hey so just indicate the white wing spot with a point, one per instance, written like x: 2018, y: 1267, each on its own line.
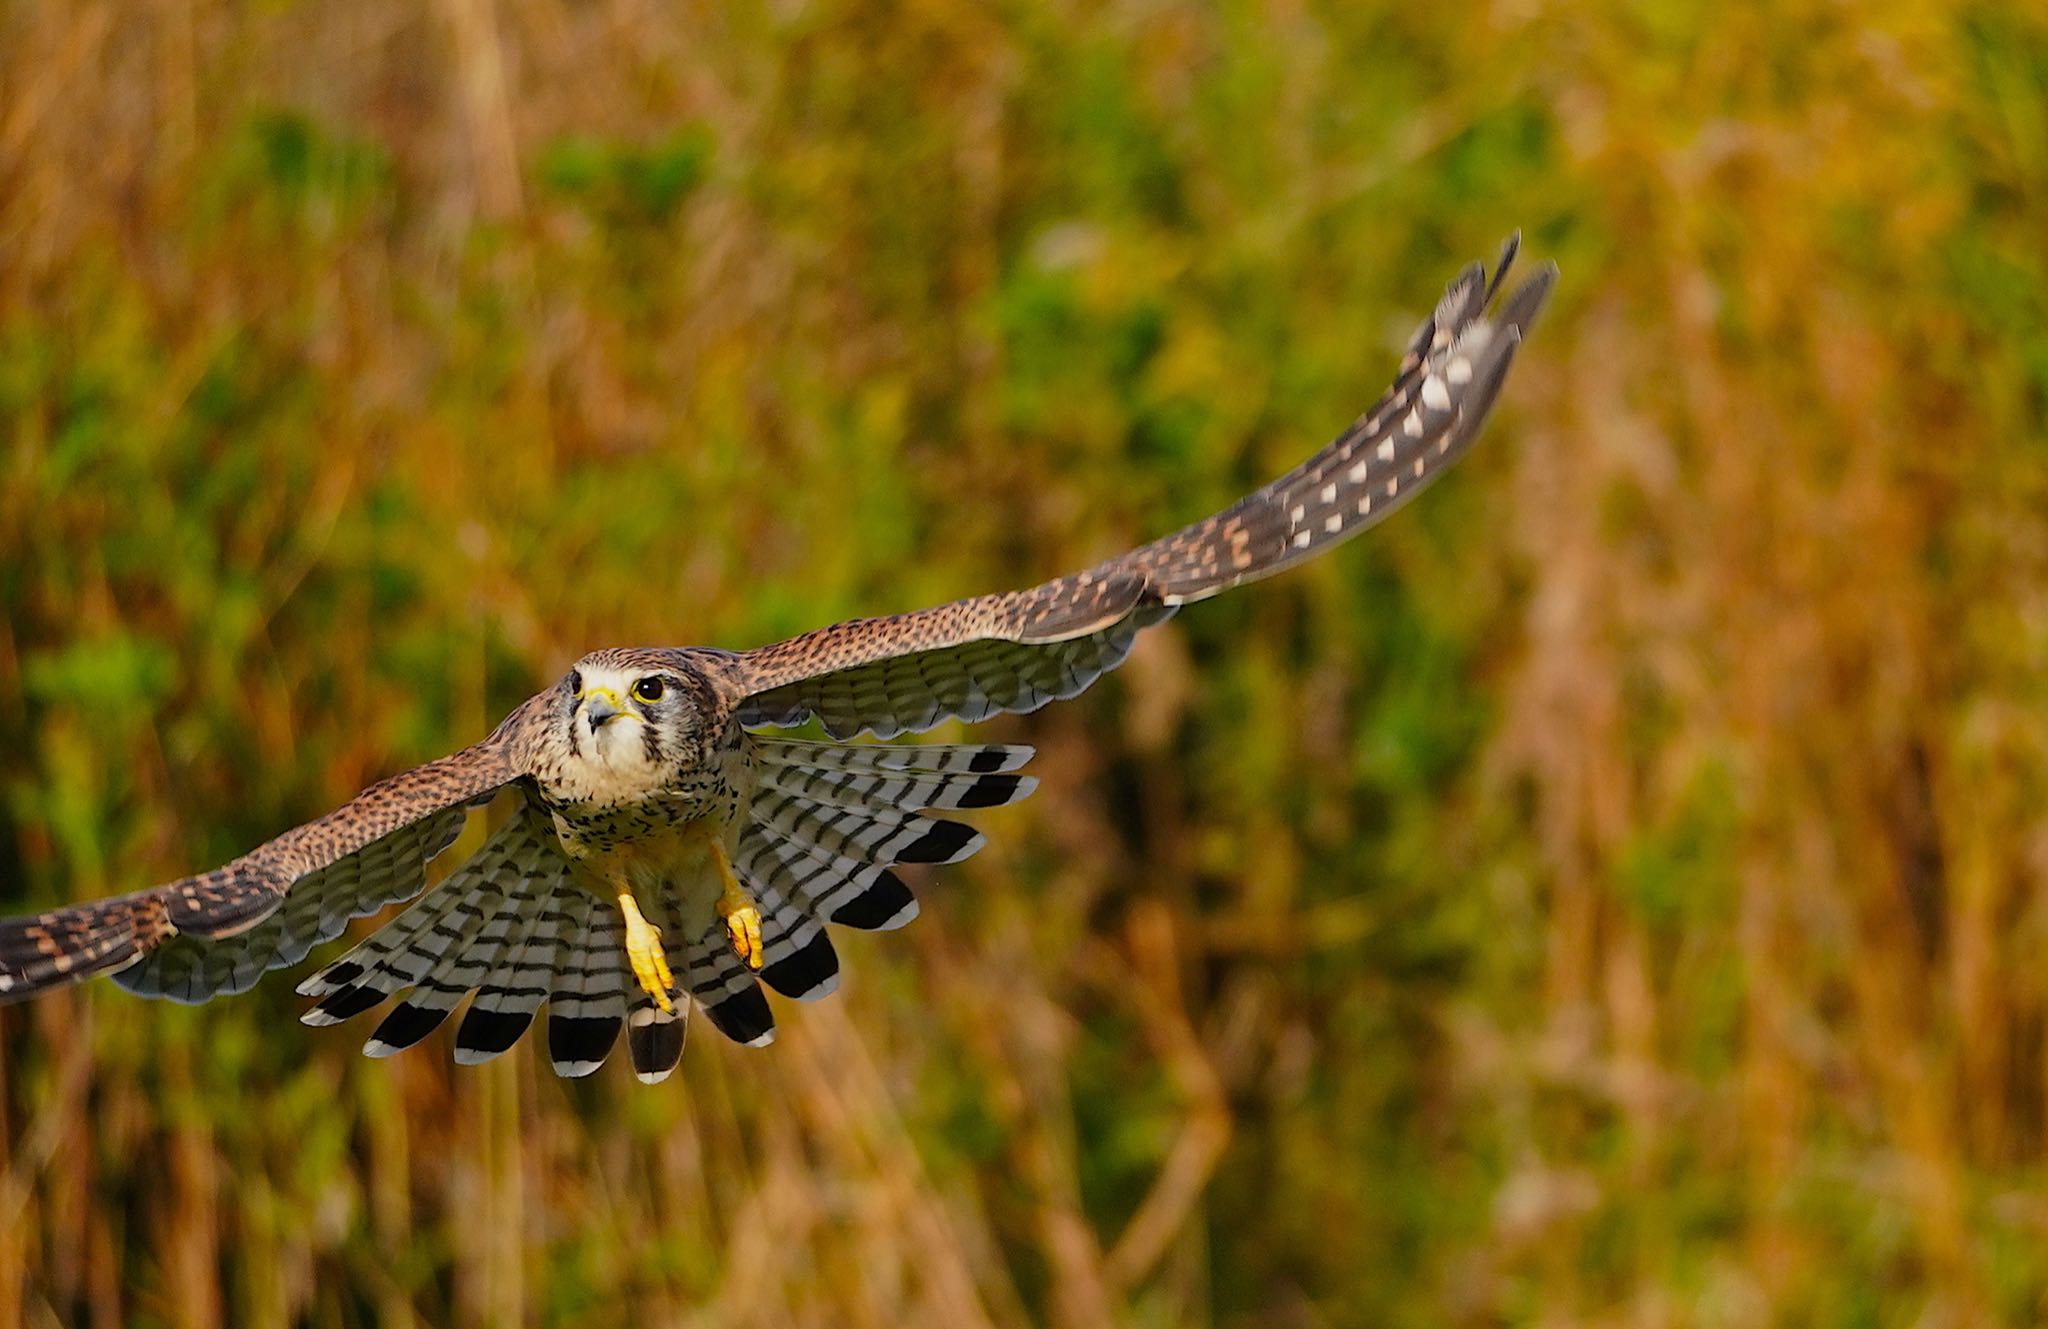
x: 1296, y: 515
x: 1329, y: 493
x: 1435, y: 395
x: 1365, y: 505
x: 1386, y: 450
x: 1393, y: 487
x: 1333, y: 523
x: 1412, y: 426
x: 1301, y: 539
x: 1357, y: 473
x: 1459, y: 371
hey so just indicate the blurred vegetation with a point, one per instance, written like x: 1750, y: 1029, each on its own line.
x: 1616, y: 892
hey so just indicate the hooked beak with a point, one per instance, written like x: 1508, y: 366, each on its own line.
x: 600, y: 706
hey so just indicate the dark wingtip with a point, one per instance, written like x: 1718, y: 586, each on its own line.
x: 1508, y: 249
x: 1522, y: 306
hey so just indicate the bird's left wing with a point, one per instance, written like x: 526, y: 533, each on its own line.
x: 1015, y: 652
x: 216, y: 933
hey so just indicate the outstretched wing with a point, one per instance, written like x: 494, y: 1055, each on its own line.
x: 1015, y: 652
x: 218, y: 932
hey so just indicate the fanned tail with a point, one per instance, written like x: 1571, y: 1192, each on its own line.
x: 512, y: 929
x: 828, y: 820
x: 825, y: 823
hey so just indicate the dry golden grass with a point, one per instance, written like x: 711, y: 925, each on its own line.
x: 1616, y: 893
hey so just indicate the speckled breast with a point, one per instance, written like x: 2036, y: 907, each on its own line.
x: 587, y: 828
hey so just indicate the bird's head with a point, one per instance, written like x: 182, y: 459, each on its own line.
x: 633, y: 714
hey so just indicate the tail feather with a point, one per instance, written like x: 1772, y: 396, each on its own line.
x: 928, y: 758
x: 447, y: 943
x: 726, y: 989
x: 892, y: 791
x: 485, y: 918
x: 515, y: 988
x: 588, y: 1001
x: 655, y: 1037
x: 394, y: 957
x: 798, y: 958
x: 865, y: 835
x: 841, y: 890
x: 801, y: 961
x: 825, y: 822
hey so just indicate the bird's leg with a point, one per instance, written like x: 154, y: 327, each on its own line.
x: 643, y: 951
x: 736, y: 907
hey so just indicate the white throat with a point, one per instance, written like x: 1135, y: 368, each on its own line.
x: 614, y: 757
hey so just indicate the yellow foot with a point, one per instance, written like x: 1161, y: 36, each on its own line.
x: 643, y: 950
x: 742, y: 919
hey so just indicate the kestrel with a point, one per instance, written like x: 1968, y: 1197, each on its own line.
x: 665, y: 851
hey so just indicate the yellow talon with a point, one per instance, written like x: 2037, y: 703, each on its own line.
x: 742, y: 919
x: 743, y: 925
x: 643, y: 950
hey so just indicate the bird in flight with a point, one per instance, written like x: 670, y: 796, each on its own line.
x: 664, y: 851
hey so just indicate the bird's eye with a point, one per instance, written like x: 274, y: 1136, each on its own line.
x: 649, y: 689
x: 576, y: 682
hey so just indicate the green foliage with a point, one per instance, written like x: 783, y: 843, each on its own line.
x: 1610, y: 893
x: 627, y: 186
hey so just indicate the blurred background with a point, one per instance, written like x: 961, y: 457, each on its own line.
x: 1615, y: 892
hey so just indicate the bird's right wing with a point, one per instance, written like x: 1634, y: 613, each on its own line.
x: 216, y: 933
x: 1015, y: 652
